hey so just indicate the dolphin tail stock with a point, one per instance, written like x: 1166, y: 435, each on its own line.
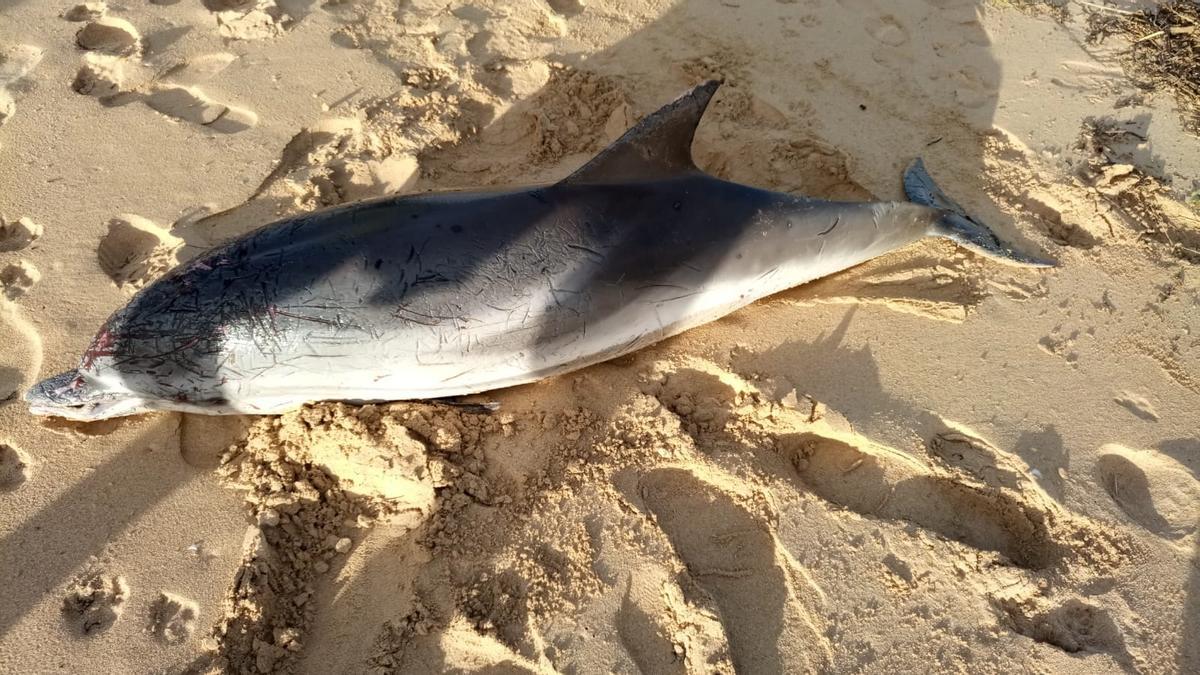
x: 956, y: 225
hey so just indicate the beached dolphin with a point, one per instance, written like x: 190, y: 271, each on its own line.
x: 443, y: 294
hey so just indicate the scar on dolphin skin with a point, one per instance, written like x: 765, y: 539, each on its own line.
x: 664, y: 247
x: 836, y: 221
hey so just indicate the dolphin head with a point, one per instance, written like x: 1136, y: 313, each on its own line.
x: 76, y: 396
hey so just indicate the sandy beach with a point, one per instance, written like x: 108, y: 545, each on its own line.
x: 926, y: 463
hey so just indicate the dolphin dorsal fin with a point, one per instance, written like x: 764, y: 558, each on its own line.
x: 659, y: 146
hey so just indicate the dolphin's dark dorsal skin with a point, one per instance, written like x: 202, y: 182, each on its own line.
x: 657, y: 148
x: 444, y: 294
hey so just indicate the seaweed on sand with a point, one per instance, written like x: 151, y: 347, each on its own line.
x: 1164, y: 49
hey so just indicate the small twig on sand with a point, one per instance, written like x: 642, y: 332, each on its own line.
x: 1106, y: 8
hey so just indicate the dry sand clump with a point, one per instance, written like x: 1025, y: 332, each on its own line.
x: 100, y: 75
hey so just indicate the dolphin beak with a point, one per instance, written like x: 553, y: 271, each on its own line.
x: 73, y: 396
x: 64, y: 389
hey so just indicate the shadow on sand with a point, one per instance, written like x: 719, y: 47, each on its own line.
x: 80, y: 522
x: 843, y: 65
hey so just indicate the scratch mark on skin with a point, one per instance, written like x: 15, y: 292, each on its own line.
x: 598, y: 256
x: 509, y: 310
x: 275, y: 311
x: 161, y: 355
x: 333, y: 308
x: 679, y: 297
x: 837, y: 220
x: 646, y: 287
x: 430, y: 319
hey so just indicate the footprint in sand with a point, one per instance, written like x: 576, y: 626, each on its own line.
x: 204, y: 438
x: 981, y: 498
x: 110, y: 35
x: 136, y: 251
x: 16, y: 63
x: 1138, y: 405
x: 17, y: 279
x: 190, y: 104
x: 248, y: 19
x: 18, y: 234
x: 973, y: 88
x: 172, y: 617
x: 20, y: 352
x: 734, y: 556
x: 1152, y: 489
x: 109, y: 43
x: 112, y: 44
x: 887, y: 30
x: 1073, y: 626
x: 14, y: 467
x: 95, y: 602
x: 882, y: 482
x: 178, y: 95
x: 200, y: 68
x: 1076, y: 626
x: 644, y: 631
x: 1061, y: 343
x: 567, y: 8
x: 10, y: 384
x: 961, y: 449
x: 663, y: 633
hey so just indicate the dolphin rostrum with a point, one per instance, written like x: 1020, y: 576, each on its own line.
x: 444, y: 294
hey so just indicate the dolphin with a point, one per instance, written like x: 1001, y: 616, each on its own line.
x: 437, y: 295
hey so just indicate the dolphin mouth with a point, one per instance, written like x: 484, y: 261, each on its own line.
x: 73, y: 396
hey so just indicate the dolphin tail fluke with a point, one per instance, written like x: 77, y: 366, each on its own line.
x: 956, y: 225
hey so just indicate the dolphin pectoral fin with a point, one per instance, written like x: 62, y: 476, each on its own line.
x: 955, y: 224
x: 659, y: 146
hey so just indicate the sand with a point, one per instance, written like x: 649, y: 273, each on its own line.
x: 928, y: 462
